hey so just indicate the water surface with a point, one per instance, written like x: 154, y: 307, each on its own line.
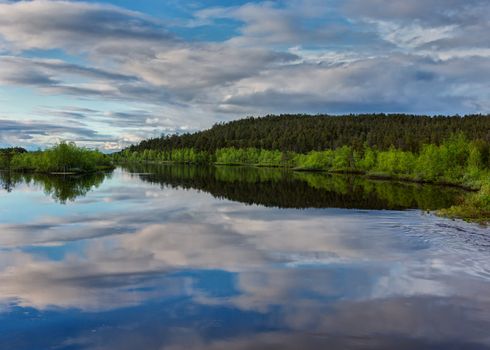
x: 176, y: 257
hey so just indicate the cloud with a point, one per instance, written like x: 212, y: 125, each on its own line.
x: 370, y: 85
x: 288, y: 56
x: 77, y: 26
x: 32, y: 129
x: 54, y: 76
x: 291, y: 23
x: 429, y: 11
x: 435, y: 24
x: 200, y: 61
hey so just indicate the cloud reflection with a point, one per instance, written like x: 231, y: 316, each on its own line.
x: 323, y: 276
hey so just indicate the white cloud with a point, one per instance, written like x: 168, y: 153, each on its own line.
x: 288, y: 56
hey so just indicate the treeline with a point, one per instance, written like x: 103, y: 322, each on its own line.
x: 455, y: 161
x: 64, y: 157
x: 305, y: 133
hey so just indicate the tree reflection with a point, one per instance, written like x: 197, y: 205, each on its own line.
x: 262, y: 186
x: 62, y: 188
x: 287, y: 189
x: 9, y: 180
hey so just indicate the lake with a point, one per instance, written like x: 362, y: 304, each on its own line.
x: 181, y: 257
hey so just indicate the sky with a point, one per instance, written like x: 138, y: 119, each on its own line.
x: 108, y: 74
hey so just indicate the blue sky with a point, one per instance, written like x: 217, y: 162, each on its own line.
x: 107, y: 74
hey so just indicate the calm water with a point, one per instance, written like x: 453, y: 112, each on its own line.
x: 237, y: 258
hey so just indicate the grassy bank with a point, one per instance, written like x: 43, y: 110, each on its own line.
x: 64, y: 158
x: 455, y: 162
x: 475, y: 207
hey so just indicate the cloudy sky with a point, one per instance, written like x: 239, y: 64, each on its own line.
x: 107, y: 74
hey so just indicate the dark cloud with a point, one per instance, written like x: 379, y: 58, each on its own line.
x: 76, y: 26
x: 73, y: 69
x: 40, y: 128
x: 14, y: 131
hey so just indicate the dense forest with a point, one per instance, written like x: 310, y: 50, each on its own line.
x: 455, y: 161
x: 304, y: 133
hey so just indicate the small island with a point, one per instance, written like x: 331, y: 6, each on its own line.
x: 63, y: 158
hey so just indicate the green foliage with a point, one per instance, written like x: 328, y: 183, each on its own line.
x: 183, y: 155
x: 454, y: 161
x: 473, y: 207
x: 316, y: 160
x: 252, y: 156
x: 369, y: 159
x: 64, y: 157
x: 6, y: 155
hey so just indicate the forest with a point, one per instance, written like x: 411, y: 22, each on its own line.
x: 62, y: 158
x: 456, y: 160
x: 442, y: 150
x: 305, y: 133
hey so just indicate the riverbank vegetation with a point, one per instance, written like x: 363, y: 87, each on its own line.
x: 6, y: 155
x: 474, y: 207
x: 456, y: 161
x: 450, y: 150
x: 62, y: 158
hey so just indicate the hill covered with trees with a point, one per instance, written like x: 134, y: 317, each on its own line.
x: 304, y: 133
x: 442, y: 149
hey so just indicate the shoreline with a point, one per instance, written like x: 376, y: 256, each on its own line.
x: 361, y: 173
x: 468, y: 209
x: 473, y: 206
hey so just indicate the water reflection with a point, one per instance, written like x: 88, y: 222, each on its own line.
x: 62, y: 188
x: 262, y: 186
x: 287, y: 189
x: 134, y: 265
